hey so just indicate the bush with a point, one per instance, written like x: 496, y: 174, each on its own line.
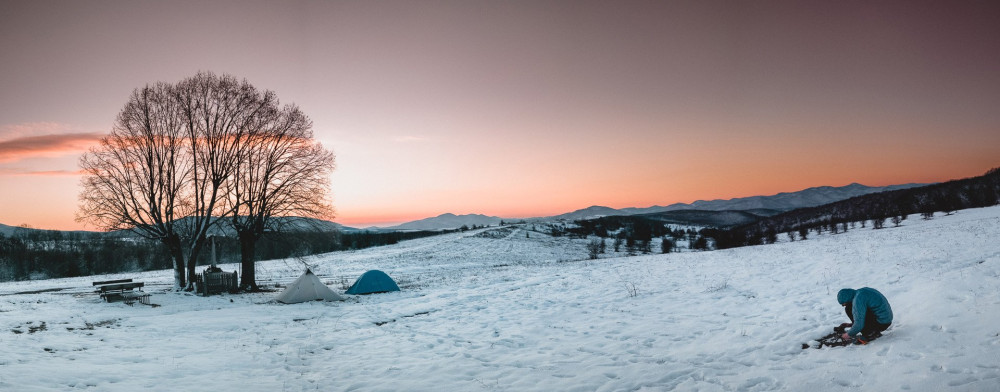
x: 594, y: 248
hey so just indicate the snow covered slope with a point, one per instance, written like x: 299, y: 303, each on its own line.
x: 448, y: 221
x: 506, y: 309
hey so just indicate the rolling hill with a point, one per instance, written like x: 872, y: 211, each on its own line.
x: 448, y: 221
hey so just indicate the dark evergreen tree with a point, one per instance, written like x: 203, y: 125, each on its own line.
x: 878, y: 223
x: 667, y: 245
x: 701, y: 243
x: 770, y: 236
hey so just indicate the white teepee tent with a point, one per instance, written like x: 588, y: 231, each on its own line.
x: 307, y: 288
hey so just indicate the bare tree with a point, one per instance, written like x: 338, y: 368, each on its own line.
x: 219, y: 114
x: 594, y: 248
x: 134, y: 178
x: 164, y: 169
x: 283, y: 173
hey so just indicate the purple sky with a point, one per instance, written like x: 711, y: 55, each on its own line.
x: 527, y: 108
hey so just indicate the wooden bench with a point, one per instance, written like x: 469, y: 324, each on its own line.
x: 101, y: 283
x: 122, y: 289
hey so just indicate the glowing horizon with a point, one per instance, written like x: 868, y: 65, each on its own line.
x: 523, y: 109
x: 368, y: 218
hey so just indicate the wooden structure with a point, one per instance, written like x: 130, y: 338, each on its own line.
x: 122, y: 289
x: 216, y: 282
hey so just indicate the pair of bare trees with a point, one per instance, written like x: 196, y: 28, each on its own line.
x: 209, y: 150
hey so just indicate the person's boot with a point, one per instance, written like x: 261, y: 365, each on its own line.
x: 864, y: 338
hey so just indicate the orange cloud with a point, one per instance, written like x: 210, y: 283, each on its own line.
x: 46, y: 145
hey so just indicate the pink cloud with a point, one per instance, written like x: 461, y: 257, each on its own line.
x: 40, y: 173
x: 35, y: 128
x: 47, y: 145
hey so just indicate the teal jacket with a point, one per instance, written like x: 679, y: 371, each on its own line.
x: 863, y: 300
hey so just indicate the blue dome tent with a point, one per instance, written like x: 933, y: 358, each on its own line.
x: 372, y: 282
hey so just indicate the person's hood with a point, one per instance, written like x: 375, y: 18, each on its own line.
x: 845, y: 296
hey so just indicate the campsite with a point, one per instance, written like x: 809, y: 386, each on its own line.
x: 503, y: 196
x: 523, y: 313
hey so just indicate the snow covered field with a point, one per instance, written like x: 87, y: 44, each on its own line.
x: 502, y: 311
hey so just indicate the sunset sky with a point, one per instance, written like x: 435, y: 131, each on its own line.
x: 526, y: 108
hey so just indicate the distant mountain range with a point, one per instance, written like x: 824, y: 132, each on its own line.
x: 280, y: 223
x: 8, y: 230
x: 755, y: 205
x: 448, y: 221
x: 742, y: 209
x: 758, y: 205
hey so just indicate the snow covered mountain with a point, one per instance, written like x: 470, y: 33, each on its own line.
x: 308, y: 224
x: 589, y: 213
x: 785, y: 201
x: 448, y: 221
x: 7, y: 230
x: 11, y: 230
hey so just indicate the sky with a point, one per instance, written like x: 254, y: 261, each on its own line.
x: 526, y: 108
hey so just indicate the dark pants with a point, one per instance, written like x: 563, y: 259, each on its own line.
x: 872, y: 327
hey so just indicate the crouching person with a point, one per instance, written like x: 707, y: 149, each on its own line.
x: 869, y: 312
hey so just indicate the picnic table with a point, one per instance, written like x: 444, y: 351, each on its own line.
x: 122, y: 289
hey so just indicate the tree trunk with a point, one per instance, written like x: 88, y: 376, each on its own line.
x: 248, y: 246
x: 192, y: 263
x: 173, y: 243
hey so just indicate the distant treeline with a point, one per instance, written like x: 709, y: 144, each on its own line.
x: 624, y: 226
x: 40, y: 254
x: 634, y: 232
x: 874, y: 209
x: 43, y: 254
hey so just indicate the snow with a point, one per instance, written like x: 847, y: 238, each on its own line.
x: 510, y: 310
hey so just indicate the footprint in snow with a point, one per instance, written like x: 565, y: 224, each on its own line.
x: 964, y: 381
